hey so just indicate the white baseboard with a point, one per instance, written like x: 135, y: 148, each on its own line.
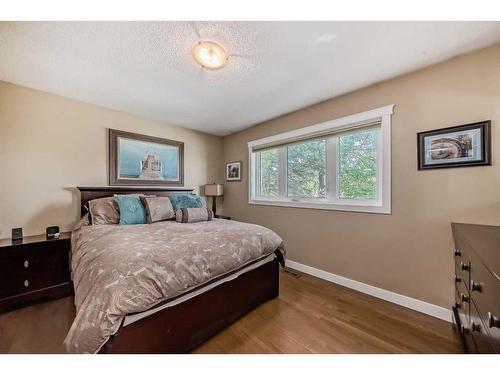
x: 399, y: 299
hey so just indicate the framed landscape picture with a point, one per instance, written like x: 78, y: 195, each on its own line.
x: 457, y: 146
x: 233, y: 171
x: 136, y: 159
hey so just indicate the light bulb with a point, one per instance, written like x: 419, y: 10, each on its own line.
x: 209, y: 55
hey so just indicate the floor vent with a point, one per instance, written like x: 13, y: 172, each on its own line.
x: 292, y: 272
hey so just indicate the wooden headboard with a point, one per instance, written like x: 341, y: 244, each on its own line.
x: 89, y: 193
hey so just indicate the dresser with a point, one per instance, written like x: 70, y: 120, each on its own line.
x: 476, y: 312
x: 33, y: 270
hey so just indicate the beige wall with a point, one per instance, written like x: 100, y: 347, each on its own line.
x: 408, y: 252
x: 50, y: 144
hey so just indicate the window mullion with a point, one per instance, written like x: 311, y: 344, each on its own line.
x: 331, y: 168
x: 282, y: 172
x: 380, y: 166
x: 257, y: 167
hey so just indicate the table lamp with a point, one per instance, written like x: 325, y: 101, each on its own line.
x: 214, y: 190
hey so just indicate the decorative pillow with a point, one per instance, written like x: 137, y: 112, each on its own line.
x: 193, y: 215
x: 157, y: 209
x: 104, y: 211
x: 83, y: 222
x: 185, y: 201
x: 131, y: 209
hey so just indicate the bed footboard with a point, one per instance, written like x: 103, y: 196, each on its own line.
x: 181, y: 328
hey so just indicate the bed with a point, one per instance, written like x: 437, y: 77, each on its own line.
x: 182, y: 284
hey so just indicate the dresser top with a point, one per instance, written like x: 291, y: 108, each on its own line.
x: 7, y: 242
x: 485, y: 241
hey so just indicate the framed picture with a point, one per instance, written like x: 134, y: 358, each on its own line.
x: 233, y: 171
x: 458, y: 146
x: 136, y: 159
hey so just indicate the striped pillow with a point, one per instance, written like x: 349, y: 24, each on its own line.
x: 193, y: 215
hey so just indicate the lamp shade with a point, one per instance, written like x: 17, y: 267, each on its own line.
x: 213, y: 190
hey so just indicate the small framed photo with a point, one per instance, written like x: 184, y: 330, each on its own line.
x: 233, y: 171
x: 457, y: 146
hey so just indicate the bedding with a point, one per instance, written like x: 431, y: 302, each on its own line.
x: 186, y: 201
x: 193, y: 215
x: 157, y: 209
x: 131, y: 209
x: 104, y: 211
x: 126, y: 269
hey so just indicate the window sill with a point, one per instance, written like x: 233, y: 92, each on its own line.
x: 373, y: 209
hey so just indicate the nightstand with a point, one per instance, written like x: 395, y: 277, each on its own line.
x: 222, y: 217
x: 34, y: 269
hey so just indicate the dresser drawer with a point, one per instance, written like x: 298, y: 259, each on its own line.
x: 463, y: 315
x: 31, y: 271
x: 492, y: 324
x: 462, y: 310
x: 477, y: 265
x: 486, y: 297
x: 484, y: 288
x: 479, y: 332
x: 462, y: 296
x: 462, y: 259
x: 460, y: 278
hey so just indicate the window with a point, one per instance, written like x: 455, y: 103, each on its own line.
x: 342, y: 164
x: 269, y: 173
x: 357, y: 165
x: 306, y: 169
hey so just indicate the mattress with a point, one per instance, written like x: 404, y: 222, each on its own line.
x: 132, y: 318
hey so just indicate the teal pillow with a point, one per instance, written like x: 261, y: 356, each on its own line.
x: 185, y: 201
x: 131, y: 209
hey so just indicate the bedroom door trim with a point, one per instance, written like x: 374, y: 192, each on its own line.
x: 399, y: 299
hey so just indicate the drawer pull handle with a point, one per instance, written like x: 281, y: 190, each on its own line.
x: 26, y: 264
x: 464, y: 297
x: 457, y: 279
x: 475, y: 286
x: 493, y: 321
x: 458, y: 253
x: 26, y: 283
x: 475, y: 327
x: 464, y: 266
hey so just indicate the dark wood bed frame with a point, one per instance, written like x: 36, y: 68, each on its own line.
x: 181, y: 328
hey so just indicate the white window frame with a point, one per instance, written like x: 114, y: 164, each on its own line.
x: 381, y: 205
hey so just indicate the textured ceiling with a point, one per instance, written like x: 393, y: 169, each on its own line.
x: 146, y: 68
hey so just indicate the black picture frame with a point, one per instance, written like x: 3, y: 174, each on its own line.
x: 238, y: 164
x: 485, y: 139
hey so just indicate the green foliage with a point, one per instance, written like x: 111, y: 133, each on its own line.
x: 358, y: 165
x: 307, y: 169
x: 269, y: 173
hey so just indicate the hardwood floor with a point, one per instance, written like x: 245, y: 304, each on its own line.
x: 310, y: 316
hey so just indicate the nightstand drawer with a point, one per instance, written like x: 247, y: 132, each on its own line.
x: 33, y: 270
x: 23, y: 274
x: 27, y: 264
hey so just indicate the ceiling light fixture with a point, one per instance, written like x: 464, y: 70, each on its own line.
x: 210, y: 55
